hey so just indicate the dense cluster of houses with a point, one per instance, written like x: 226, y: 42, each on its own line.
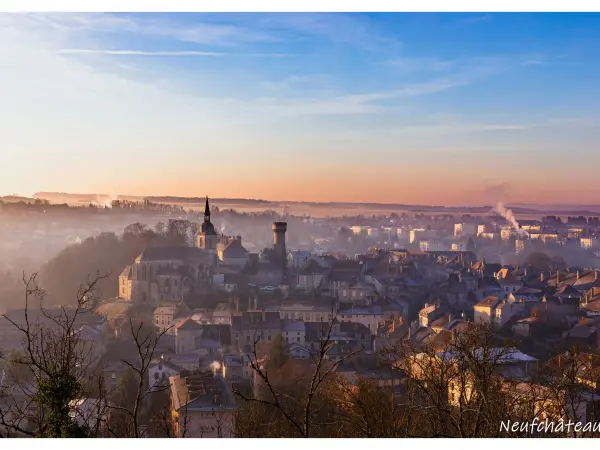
x: 214, y: 303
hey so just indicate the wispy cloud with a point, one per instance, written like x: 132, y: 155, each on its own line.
x: 422, y: 64
x: 354, y: 29
x: 199, y: 33
x: 80, y: 51
x: 353, y: 104
x: 458, y: 125
x: 535, y: 62
x: 295, y: 83
x: 374, y: 102
x: 222, y: 29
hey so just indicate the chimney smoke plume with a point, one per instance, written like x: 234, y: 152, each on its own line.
x: 508, y: 215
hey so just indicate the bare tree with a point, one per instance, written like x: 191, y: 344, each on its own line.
x: 58, y: 360
x: 300, y: 421
x: 145, y: 342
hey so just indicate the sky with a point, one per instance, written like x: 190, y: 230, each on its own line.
x: 451, y: 109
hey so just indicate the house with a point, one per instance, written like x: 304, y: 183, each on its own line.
x: 340, y: 280
x: 310, y: 276
x: 163, y: 318
x: 112, y: 373
x: 370, y: 316
x: 525, y: 327
x: 160, y: 370
x: 440, y: 324
x: 342, y: 349
x: 202, y: 406
x: 342, y: 275
x: 188, y: 361
x: 297, y: 259
x: 235, y: 368
x: 488, y: 286
x: 298, y: 351
x: 304, y: 311
x: 357, y: 333
x: 590, y: 302
x: 92, y: 345
x: 222, y: 314
x: 254, y: 326
x: 233, y: 282
x: 585, y: 333
x: 510, y: 284
x: 293, y: 332
x: 186, y: 332
x: 387, y: 287
x: 233, y: 252
x: 360, y: 293
x: 458, y: 293
x: 428, y: 314
x: 496, y: 310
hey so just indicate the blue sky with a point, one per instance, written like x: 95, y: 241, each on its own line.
x: 414, y: 108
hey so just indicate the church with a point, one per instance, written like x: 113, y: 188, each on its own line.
x: 166, y: 274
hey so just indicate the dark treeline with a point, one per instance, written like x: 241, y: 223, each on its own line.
x: 107, y: 253
x: 247, y: 201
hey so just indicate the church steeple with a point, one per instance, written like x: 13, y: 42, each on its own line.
x: 207, y: 211
x: 207, y: 227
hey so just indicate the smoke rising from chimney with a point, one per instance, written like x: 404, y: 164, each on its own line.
x: 508, y: 215
x: 105, y: 201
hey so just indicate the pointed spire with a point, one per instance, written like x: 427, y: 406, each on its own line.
x: 207, y: 210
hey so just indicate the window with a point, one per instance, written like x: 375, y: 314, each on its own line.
x: 247, y: 338
x: 298, y: 339
x: 269, y: 338
x: 156, y: 375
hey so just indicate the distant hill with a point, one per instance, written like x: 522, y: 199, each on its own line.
x: 16, y: 199
x: 79, y: 199
x: 521, y: 209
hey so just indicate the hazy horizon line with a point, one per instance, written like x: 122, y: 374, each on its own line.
x: 329, y: 202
